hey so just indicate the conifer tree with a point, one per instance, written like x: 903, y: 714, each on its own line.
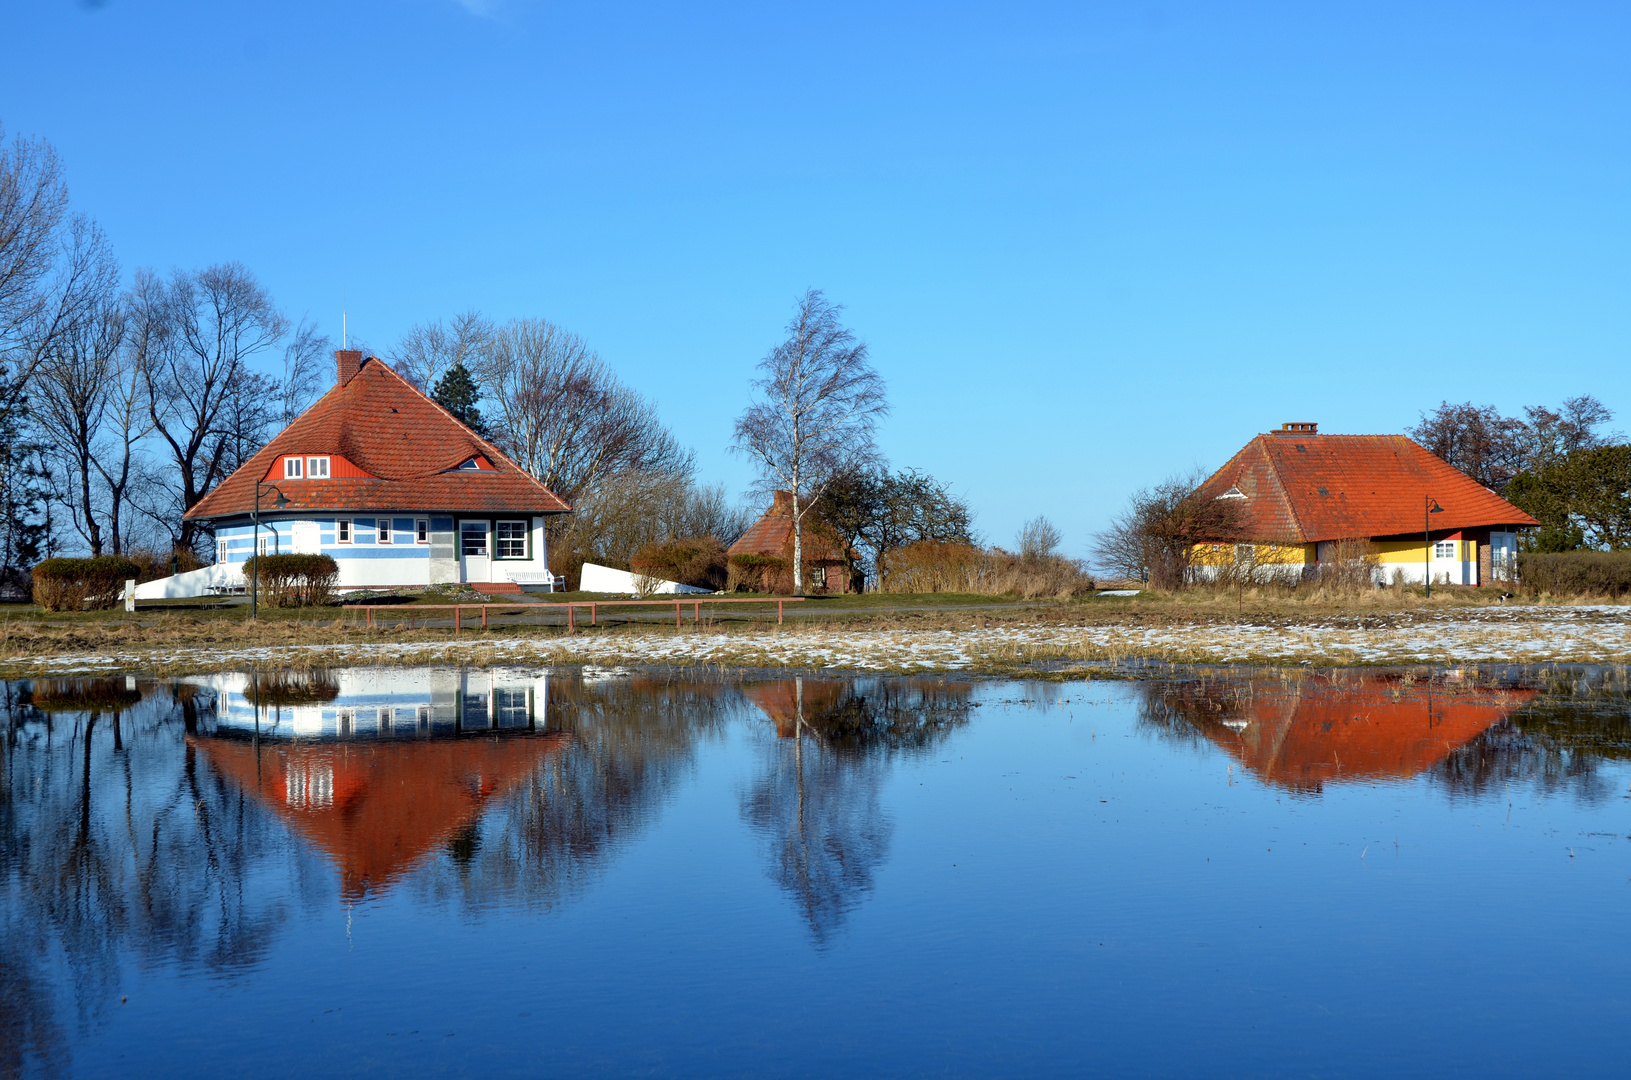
x: 458, y: 393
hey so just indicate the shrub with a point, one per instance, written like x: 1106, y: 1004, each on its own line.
x: 1576, y: 573
x: 758, y: 573
x: 935, y: 566
x: 75, y: 584
x: 699, y: 562
x: 294, y: 580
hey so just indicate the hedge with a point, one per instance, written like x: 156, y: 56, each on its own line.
x: 293, y: 580
x: 1576, y: 573
x: 76, y: 584
x: 699, y: 562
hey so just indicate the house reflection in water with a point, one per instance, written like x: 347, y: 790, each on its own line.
x: 1309, y: 731
x: 377, y: 768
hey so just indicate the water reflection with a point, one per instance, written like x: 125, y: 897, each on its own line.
x: 816, y: 807
x: 1465, y: 730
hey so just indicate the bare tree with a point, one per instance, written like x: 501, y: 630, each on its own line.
x: 1038, y: 539
x: 33, y: 203
x: 210, y: 324
x: 1478, y: 440
x: 1155, y: 538
x: 821, y: 403
x: 305, y: 370
x: 79, y: 374
x: 428, y: 350
x: 564, y: 417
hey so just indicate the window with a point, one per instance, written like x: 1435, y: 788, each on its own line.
x: 1445, y: 550
x: 317, y: 468
x: 263, y: 545
x: 421, y: 531
x: 292, y: 468
x: 220, y: 551
x: 383, y: 530
x: 512, y: 539
x: 472, y: 465
x: 342, y: 530
x: 473, y: 537
x: 1245, y: 553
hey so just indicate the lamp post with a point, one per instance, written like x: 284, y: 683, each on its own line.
x: 255, y: 579
x: 1430, y: 507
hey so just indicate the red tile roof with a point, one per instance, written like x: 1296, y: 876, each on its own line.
x: 1302, y: 487
x: 772, y: 535
x: 408, y: 447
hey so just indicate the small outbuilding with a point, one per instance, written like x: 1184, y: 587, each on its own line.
x: 1303, y: 499
x: 763, y: 557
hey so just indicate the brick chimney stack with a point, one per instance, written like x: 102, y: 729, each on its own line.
x: 349, y: 361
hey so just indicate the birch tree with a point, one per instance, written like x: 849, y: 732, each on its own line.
x: 819, y: 404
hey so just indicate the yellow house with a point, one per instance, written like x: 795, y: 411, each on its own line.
x: 1305, y: 499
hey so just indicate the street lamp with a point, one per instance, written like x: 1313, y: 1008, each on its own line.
x: 1431, y: 507
x: 255, y: 579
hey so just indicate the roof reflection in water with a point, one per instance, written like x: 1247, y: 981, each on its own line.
x: 379, y: 769
x: 1312, y: 730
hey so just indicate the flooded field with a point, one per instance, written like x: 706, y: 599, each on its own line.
x: 521, y: 872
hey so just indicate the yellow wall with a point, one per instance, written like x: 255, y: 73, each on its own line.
x: 1263, y: 554
x: 1404, y: 551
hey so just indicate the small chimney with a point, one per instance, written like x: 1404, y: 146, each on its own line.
x: 783, y: 503
x: 349, y: 361
x: 1299, y: 428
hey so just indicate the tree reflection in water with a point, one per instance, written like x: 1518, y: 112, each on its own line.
x: 632, y: 740
x: 816, y: 808
x: 116, y: 846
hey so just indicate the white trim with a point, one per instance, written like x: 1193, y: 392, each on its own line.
x: 421, y: 530
x: 382, y: 530
x: 317, y: 468
x: 294, y: 468
x: 344, y: 530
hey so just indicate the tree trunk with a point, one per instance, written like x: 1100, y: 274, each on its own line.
x: 798, y: 547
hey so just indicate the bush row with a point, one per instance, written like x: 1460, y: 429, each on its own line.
x: 935, y: 566
x: 293, y: 580
x: 1575, y: 573
x: 76, y: 584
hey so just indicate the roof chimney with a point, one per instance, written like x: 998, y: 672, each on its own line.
x: 1298, y: 428
x: 349, y: 360
x: 782, y: 503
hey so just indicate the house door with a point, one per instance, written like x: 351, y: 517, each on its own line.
x: 475, y: 552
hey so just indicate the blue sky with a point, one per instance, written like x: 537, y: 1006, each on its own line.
x: 1089, y: 244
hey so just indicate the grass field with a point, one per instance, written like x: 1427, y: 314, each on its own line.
x: 876, y: 632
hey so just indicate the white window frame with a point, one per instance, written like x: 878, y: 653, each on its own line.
x: 294, y: 468
x: 343, y: 530
x: 317, y: 468
x: 221, y: 551
x: 421, y: 530
x: 499, y: 542
x: 265, y: 544
x: 1441, y: 546
x: 382, y: 530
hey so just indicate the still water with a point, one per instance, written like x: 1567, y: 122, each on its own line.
x: 494, y: 873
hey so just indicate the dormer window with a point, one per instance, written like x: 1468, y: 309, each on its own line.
x: 294, y: 468
x: 317, y: 468
x: 472, y: 465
